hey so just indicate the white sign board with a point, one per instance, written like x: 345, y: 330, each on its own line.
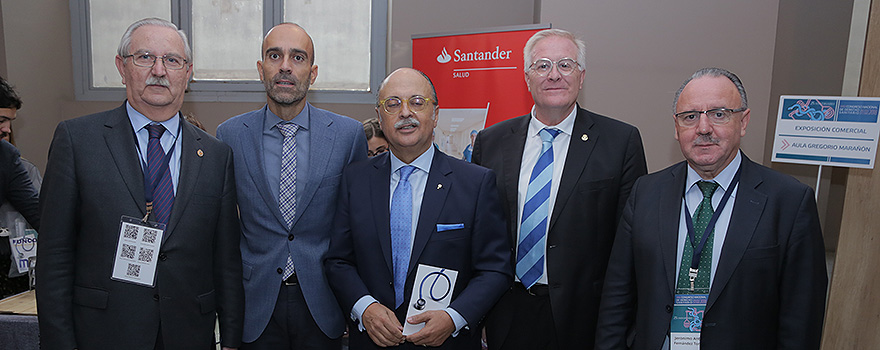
x: 826, y: 130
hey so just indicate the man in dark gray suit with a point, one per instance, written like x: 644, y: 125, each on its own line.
x: 289, y: 157
x: 116, y: 182
x: 717, y: 252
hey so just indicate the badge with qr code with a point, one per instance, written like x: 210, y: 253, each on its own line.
x: 137, y: 251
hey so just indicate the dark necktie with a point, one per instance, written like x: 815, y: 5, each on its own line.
x: 287, y: 188
x: 701, y: 219
x: 159, y: 175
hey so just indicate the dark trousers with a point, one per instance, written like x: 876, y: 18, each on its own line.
x: 531, y: 324
x: 292, y: 326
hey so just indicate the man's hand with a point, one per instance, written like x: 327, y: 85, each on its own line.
x: 382, y: 325
x: 438, y: 327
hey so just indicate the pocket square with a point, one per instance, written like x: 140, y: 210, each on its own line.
x: 447, y: 227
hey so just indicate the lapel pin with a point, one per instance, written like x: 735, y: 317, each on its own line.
x: 439, y: 186
x: 200, y: 153
x: 584, y: 137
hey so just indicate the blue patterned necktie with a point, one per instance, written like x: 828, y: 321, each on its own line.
x: 401, y: 231
x: 701, y: 219
x: 159, y: 175
x: 535, y: 214
x: 287, y: 189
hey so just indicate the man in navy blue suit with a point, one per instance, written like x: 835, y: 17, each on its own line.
x: 453, y: 221
x: 289, y: 157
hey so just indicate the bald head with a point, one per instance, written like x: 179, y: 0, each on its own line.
x: 289, y: 31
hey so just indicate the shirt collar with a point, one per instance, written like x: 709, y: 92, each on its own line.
x: 566, y: 126
x: 423, y: 162
x: 139, y: 121
x: 723, y: 179
x: 301, y: 120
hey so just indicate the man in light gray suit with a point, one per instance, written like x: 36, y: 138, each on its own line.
x: 289, y: 157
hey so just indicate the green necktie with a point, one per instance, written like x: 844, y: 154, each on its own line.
x: 701, y: 220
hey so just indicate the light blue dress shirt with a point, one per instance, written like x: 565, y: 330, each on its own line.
x: 170, y: 137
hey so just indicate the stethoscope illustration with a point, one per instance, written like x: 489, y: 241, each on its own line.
x: 420, y: 304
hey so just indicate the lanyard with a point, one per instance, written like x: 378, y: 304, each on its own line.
x: 698, y: 248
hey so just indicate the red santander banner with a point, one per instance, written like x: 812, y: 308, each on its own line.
x: 479, y: 77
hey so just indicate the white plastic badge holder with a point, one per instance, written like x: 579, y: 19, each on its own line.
x: 432, y: 290
x: 23, y: 248
x: 137, y: 251
x: 687, y: 321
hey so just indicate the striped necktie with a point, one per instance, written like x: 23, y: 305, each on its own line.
x: 535, y: 214
x: 159, y: 175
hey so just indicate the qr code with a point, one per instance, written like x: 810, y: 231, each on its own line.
x: 134, y: 270
x: 145, y: 255
x: 127, y: 251
x: 150, y: 236
x: 130, y: 232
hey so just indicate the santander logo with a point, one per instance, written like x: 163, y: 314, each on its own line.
x: 461, y: 56
x: 444, y: 56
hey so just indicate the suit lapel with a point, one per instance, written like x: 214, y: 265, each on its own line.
x: 381, y: 203
x: 436, y: 189
x: 747, y: 209
x: 253, y: 157
x: 320, y: 148
x: 190, y: 166
x: 512, y: 160
x: 579, y: 151
x: 120, y: 140
x: 671, y: 194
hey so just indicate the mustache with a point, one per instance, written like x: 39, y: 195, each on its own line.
x: 706, y: 139
x: 410, y: 121
x: 161, y: 81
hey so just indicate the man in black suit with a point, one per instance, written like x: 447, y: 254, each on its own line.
x: 100, y: 208
x: 410, y: 207
x: 715, y: 252
x: 564, y: 174
x: 16, y: 188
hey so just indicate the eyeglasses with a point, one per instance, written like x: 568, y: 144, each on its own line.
x: 147, y: 60
x: 417, y: 103
x: 379, y: 150
x: 717, y: 116
x: 565, y: 66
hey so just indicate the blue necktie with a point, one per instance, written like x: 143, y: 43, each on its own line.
x: 159, y: 175
x: 533, y: 228
x: 401, y: 231
x: 287, y: 189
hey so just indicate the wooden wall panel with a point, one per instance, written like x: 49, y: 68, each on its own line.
x: 852, y: 319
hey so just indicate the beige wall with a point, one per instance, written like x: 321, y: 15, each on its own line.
x: 639, y: 52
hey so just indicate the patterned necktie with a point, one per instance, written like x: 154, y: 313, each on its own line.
x: 401, y: 231
x: 159, y: 175
x: 287, y: 189
x: 701, y: 219
x: 536, y: 211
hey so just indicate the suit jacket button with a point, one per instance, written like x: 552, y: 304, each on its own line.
x: 280, y: 270
x: 162, y: 256
x: 668, y: 308
x: 290, y: 237
x: 156, y: 297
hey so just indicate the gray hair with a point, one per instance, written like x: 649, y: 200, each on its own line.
x: 714, y: 72
x: 530, y: 46
x: 125, y: 43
